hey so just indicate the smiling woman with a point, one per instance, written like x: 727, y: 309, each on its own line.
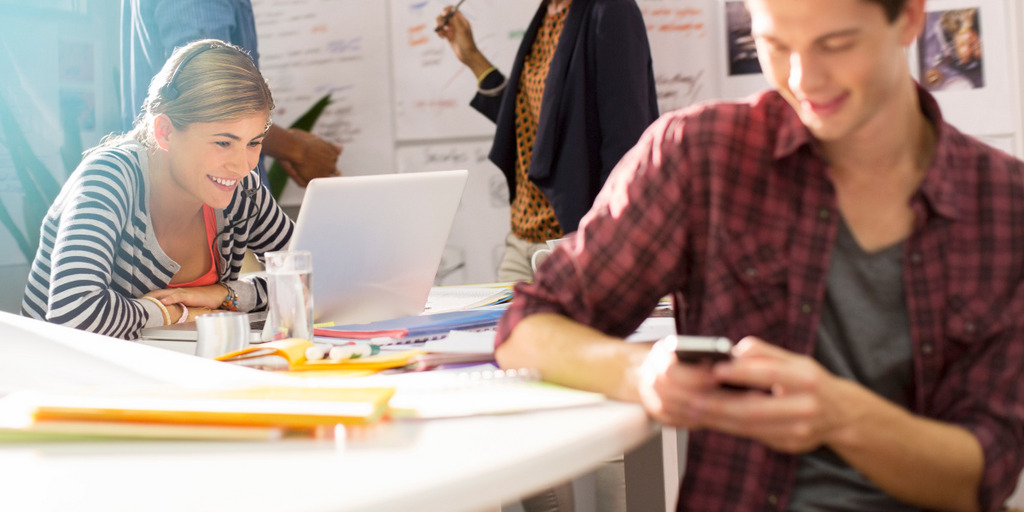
x: 152, y: 226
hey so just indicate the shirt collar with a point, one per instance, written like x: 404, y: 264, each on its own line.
x: 937, y: 188
x: 792, y: 133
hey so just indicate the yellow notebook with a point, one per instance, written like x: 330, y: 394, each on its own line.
x: 292, y: 408
x: 290, y: 354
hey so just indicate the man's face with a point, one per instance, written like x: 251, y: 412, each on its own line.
x: 837, y: 62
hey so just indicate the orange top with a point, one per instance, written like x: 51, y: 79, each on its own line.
x: 210, y: 277
x: 533, y: 218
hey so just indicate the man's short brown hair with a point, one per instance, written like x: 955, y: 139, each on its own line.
x: 892, y: 7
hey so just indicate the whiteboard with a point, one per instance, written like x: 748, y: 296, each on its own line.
x: 477, y: 240
x: 432, y: 88
x: 309, y: 48
x: 682, y: 34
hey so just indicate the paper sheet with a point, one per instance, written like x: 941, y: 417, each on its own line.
x: 466, y: 342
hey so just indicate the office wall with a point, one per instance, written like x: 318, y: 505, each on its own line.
x: 700, y: 48
x: 58, y: 66
x: 390, y: 78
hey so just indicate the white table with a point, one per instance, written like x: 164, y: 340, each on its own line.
x: 467, y: 464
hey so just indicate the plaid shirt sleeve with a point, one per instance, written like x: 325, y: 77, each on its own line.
x: 637, y: 222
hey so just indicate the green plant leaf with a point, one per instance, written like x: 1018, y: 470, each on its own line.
x: 276, y: 176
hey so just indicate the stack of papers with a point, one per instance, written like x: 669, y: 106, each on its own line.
x: 454, y: 298
x: 414, y: 329
x: 65, y: 383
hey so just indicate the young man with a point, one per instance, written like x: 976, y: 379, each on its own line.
x: 867, y: 256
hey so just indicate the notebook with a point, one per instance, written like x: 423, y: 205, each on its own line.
x: 416, y: 328
x: 376, y: 242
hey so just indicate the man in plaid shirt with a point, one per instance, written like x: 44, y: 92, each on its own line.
x: 868, y: 257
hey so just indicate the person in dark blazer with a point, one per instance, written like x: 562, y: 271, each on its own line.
x: 580, y: 94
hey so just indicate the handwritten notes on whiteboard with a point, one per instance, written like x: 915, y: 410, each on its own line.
x: 432, y: 88
x: 309, y: 48
x: 682, y: 37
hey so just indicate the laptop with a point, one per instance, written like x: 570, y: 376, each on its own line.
x: 376, y: 241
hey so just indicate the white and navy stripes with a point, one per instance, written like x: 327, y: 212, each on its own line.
x: 98, y: 252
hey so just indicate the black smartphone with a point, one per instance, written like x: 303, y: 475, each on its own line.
x: 700, y: 349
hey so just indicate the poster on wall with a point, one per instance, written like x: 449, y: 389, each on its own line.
x: 311, y: 48
x: 962, y: 57
x: 477, y: 240
x: 682, y: 35
x: 740, y: 70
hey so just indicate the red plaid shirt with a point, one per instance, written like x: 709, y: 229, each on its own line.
x: 731, y: 205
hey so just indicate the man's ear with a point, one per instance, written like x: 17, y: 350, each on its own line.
x: 163, y: 128
x: 913, y: 19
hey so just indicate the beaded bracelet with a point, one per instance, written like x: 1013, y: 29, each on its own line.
x: 230, y: 301
x: 163, y: 309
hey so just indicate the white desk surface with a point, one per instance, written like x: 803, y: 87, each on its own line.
x: 466, y: 464
x: 455, y: 465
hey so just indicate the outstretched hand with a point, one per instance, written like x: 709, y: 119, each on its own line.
x: 459, y: 35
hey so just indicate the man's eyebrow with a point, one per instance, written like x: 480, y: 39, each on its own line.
x: 820, y: 39
x: 839, y: 33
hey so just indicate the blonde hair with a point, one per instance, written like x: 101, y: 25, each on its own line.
x: 204, y: 81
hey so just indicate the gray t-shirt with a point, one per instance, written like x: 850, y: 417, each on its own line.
x: 864, y: 336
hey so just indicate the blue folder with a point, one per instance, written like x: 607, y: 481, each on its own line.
x: 414, y: 327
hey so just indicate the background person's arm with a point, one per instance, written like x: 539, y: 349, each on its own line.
x: 302, y: 155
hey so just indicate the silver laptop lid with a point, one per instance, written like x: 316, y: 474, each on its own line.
x: 376, y: 241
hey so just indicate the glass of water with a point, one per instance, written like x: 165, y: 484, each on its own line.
x: 290, y: 287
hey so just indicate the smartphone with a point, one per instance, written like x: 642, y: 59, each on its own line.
x: 700, y: 349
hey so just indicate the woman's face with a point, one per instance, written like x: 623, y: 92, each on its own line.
x: 207, y: 160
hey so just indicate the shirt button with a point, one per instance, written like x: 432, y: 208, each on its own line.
x: 773, y: 500
x: 916, y: 257
x: 751, y: 272
x: 969, y: 327
x: 824, y: 213
x: 805, y: 307
x: 926, y: 348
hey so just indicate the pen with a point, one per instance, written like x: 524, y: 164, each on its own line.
x: 353, y: 351
x: 448, y: 17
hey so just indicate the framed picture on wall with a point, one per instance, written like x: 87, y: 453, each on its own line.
x: 962, y: 58
x: 741, y: 72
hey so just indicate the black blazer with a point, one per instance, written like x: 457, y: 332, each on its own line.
x: 598, y: 99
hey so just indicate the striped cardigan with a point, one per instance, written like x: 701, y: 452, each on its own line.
x: 98, y: 252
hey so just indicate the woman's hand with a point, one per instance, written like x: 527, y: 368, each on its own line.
x: 209, y: 297
x: 459, y: 35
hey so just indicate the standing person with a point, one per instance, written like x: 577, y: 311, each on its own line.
x: 867, y: 256
x: 152, y: 29
x: 580, y: 94
x: 152, y: 226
